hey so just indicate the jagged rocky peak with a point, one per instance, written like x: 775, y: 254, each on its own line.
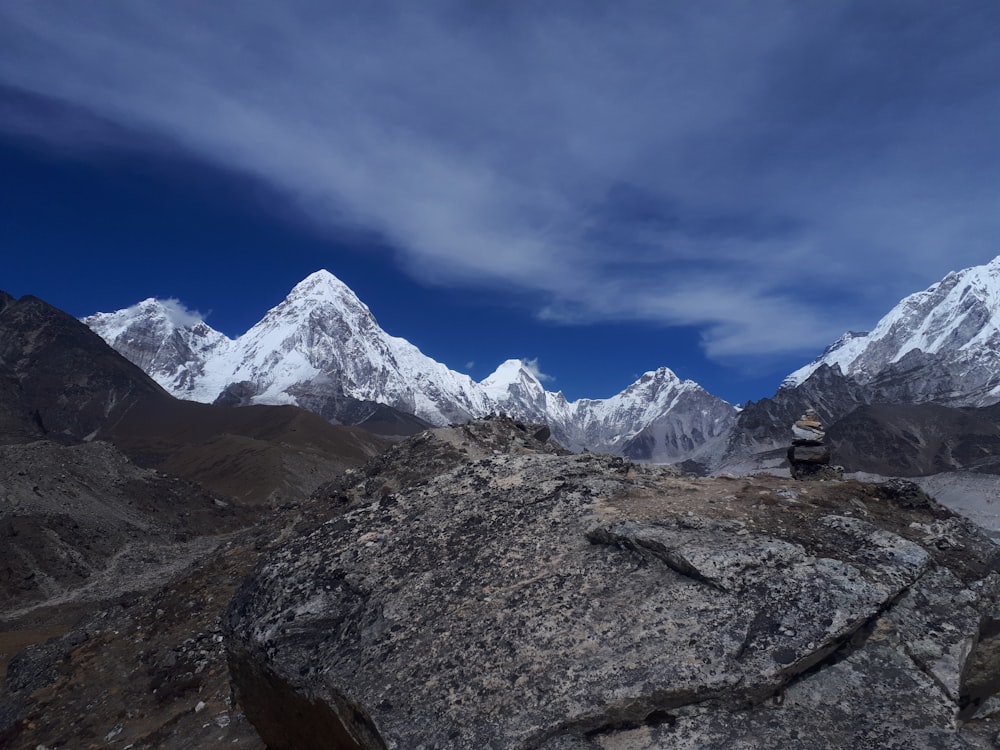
x: 323, y: 292
x: 322, y: 284
x: 937, y: 346
x: 511, y: 372
x: 941, y: 344
x: 660, y: 375
x: 659, y: 381
x: 172, y: 344
x: 514, y: 385
x: 162, y: 316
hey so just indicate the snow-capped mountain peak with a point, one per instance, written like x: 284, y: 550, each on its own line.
x: 953, y: 325
x: 167, y: 315
x: 168, y: 341
x: 511, y: 373
x: 321, y: 348
x: 657, y: 379
x: 322, y: 286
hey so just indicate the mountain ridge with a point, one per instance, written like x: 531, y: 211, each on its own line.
x: 321, y: 348
x: 937, y: 346
x: 953, y: 325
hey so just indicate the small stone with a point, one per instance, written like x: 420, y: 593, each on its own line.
x: 542, y: 434
x: 802, y: 432
x: 199, y: 707
x: 809, y: 454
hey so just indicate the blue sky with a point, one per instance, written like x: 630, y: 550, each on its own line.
x: 722, y: 188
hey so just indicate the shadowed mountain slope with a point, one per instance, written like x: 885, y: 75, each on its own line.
x: 917, y: 439
x: 66, y: 384
x: 70, y: 384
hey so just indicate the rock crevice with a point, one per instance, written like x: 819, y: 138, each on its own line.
x: 549, y: 602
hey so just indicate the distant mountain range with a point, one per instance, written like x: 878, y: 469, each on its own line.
x: 322, y: 349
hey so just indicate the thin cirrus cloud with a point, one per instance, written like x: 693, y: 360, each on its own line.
x: 773, y: 173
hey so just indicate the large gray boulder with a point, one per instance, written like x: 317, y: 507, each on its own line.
x: 555, y: 602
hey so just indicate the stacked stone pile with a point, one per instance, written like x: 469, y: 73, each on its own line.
x: 808, y: 456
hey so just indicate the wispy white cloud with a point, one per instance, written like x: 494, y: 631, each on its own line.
x: 772, y: 173
x: 176, y: 311
x: 531, y: 365
x: 179, y: 314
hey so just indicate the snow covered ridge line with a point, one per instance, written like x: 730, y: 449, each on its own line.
x: 954, y: 324
x: 321, y: 348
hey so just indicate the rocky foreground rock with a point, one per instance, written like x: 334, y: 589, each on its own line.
x: 550, y: 602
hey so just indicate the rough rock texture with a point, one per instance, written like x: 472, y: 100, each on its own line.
x: 68, y: 383
x: 763, y: 425
x: 918, y: 439
x: 975, y: 496
x: 141, y: 670
x: 548, y: 601
x: 936, y: 347
x: 74, y: 517
x: 868, y: 434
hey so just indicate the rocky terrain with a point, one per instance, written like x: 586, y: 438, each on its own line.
x: 126, y: 516
x: 937, y: 347
x: 143, y: 668
x: 940, y: 345
x: 76, y: 518
x: 139, y: 659
x: 66, y: 385
x: 538, y: 600
x: 478, y: 586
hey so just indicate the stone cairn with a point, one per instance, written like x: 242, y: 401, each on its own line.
x: 808, y: 456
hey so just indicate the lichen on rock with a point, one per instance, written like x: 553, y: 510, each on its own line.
x: 545, y: 601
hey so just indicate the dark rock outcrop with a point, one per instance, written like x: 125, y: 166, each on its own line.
x: 918, y: 439
x: 869, y: 431
x: 68, y: 380
x: 763, y: 425
x: 554, y: 602
x: 60, y: 381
